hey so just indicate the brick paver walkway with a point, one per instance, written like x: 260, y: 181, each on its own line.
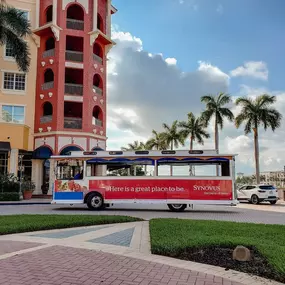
x: 60, y: 265
x: 12, y: 246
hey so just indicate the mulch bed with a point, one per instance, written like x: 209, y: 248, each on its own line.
x: 222, y: 256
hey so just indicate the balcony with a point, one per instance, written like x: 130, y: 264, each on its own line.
x: 98, y: 122
x: 48, y: 85
x: 48, y: 53
x: 73, y: 89
x: 46, y: 119
x: 74, y: 56
x: 98, y: 90
x: 97, y: 58
x: 72, y: 123
x: 75, y: 24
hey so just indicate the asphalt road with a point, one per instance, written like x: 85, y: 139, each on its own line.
x: 266, y: 214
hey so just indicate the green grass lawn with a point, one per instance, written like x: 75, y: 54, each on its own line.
x: 173, y: 237
x: 28, y: 223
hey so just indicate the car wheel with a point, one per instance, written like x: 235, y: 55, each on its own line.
x: 254, y: 199
x: 273, y: 202
x: 177, y: 207
x: 95, y: 201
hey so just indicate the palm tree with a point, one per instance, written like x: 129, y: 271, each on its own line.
x: 215, y: 108
x: 256, y: 113
x: 195, y: 128
x: 156, y: 142
x: 173, y: 137
x: 136, y: 145
x: 14, y: 27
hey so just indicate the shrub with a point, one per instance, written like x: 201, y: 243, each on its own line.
x: 9, y: 197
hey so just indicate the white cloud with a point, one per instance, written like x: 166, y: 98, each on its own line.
x: 255, y: 69
x: 171, y: 61
x: 220, y: 9
x: 154, y: 87
x: 145, y: 90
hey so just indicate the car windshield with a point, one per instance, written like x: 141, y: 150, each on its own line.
x: 266, y: 187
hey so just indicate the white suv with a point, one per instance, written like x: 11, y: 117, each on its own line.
x: 258, y: 193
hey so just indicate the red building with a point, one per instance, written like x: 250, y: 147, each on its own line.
x: 74, y: 40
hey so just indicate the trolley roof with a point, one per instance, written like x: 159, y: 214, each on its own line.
x: 144, y: 153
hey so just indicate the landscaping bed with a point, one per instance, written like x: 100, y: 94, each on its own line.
x: 213, y: 242
x: 29, y: 223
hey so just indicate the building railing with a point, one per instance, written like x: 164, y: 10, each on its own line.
x: 98, y: 90
x: 75, y: 24
x: 73, y: 89
x: 45, y: 119
x: 74, y: 56
x: 47, y: 85
x: 97, y: 122
x: 97, y: 58
x: 48, y: 53
x: 72, y: 123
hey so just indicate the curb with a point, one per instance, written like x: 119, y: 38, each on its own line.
x: 23, y: 204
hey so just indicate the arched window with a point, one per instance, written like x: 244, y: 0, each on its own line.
x: 48, y: 76
x: 50, y: 44
x: 47, y: 109
x: 97, y: 81
x: 99, y: 23
x: 97, y: 50
x: 49, y: 14
x: 75, y: 18
x: 97, y: 116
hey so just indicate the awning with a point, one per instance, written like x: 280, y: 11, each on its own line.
x: 5, y: 146
x: 68, y: 149
x: 42, y: 152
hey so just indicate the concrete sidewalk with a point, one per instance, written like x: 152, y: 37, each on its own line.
x: 105, y: 254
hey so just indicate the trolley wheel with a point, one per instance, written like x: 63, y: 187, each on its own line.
x: 95, y: 201
x: 177, y: 207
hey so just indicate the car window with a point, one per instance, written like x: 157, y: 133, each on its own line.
x: 242, y: 188
x: 267, y: 187
x: 250, y: 187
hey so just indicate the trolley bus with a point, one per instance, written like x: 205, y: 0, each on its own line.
x: 104, y: 178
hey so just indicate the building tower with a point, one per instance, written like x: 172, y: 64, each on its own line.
x: 70, y: 105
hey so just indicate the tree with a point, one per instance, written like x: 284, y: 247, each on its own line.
x: 216, y: 108
x: 195, y: 128
x: 173, y: 137
x: 136, y: 145
x: 257, y: 113
x: 134, y: 169
x: 156, y: 142
x: 14, y: 27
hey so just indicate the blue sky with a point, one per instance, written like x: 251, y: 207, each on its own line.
x: 223, y: 32
x: 237, y: 46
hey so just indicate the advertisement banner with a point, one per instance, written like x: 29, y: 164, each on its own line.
x: 163, y: 189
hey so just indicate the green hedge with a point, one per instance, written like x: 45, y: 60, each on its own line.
x: 9, y: 197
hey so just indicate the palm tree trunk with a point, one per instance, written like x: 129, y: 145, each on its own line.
x: 217, y: 144
x: 171, y: 167
x: 256, y: 155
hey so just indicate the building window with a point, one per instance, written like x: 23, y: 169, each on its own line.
x: 9, y: 51
x: 3, y: 162
x: 13, y: 114
x: 14, y: 81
